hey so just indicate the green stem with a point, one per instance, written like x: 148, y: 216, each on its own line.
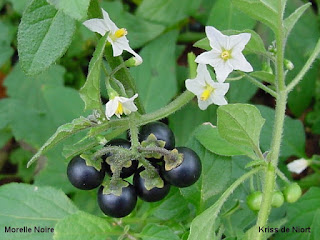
x: 282, y: 176
x: 305, y: 68
x: 273, y: 157
x: 124, y: 76
x: 134, y: 132
x: 172, y: 107
x: 260, y: 85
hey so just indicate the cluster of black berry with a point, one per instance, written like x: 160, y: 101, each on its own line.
x: 183, y: 170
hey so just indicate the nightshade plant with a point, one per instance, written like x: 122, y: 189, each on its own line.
x: 208, y: 209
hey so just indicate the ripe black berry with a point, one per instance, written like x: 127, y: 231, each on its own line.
x: 153, y: 195
x: 118, y: 206
x: 161, y: 131
x: 82, y: 176
x: 188, y: 172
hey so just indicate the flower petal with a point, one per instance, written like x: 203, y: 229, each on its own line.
x: 109, y: 23
x: 210, y: 57
x: 223, y: 69
x: 220, y: 88
x: 194, y: 86
x: 96, y: 25
x: 111, y: 107
x: 238, y: 42
x: 203, y: 105
x: 239, y: 62
x: 217, y: 40
x: 218, y: 100
x: 298, y: 166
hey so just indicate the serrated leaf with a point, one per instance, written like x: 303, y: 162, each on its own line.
x: 157, y: 232
x: 290, y: 21
x: 32, y: 206
x: 44, y: 35
x: 90, y: 92
x: 240, y: 124
x: 209, y: 137
x: 62, y: 132
x: 84, y: 226
x: 81, y: 146
x: 264, y: 11
x: 264, y: 76
x: 76, y: 9
x: 255, y: 45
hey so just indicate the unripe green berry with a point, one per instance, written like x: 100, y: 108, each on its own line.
x: 277, y: 199
x: 292, y: 192
x: 254, y: 200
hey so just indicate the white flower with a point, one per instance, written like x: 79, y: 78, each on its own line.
x: 206, y: 90
x: 298, y: 166
x: 119, y: 105
x: 116, y: 36
x: 226, y: 54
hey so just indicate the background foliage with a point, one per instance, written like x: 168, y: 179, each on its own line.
x: 36, y: 99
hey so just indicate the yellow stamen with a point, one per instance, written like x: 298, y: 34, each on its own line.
x: 119, y: 110
x: 120, y: 33
x: 225, y: 55
x: 206, y: 93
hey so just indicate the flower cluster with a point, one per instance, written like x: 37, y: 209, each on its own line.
x: 225, y: 56
x: 117, y: 37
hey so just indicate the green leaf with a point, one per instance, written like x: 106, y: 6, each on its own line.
x: 83, y: 145
x: 157, y: 232
x: 90, y: 92
x: 209, y: 137
x: 304, y: 213
x: 30, y: 89
x: 264, y: 76
x: 140, y: 31
x: 212, y: 181
x: 83, y: 226
x: 167, y: 12
x: 174, y: 206
x: 43, y: 37
x: 183, y: 121
x: 266, y: 12
x: 290, y: 21
x: 62, y: 133
x: 157, y: 72
x: 293, y: 141
x: 32, y: 206
x: 225, y: 16
x: 255, y: 45
x: 240, y: 124
x: 76, y: 9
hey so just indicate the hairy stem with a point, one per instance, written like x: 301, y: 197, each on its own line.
x: 273, y: 157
